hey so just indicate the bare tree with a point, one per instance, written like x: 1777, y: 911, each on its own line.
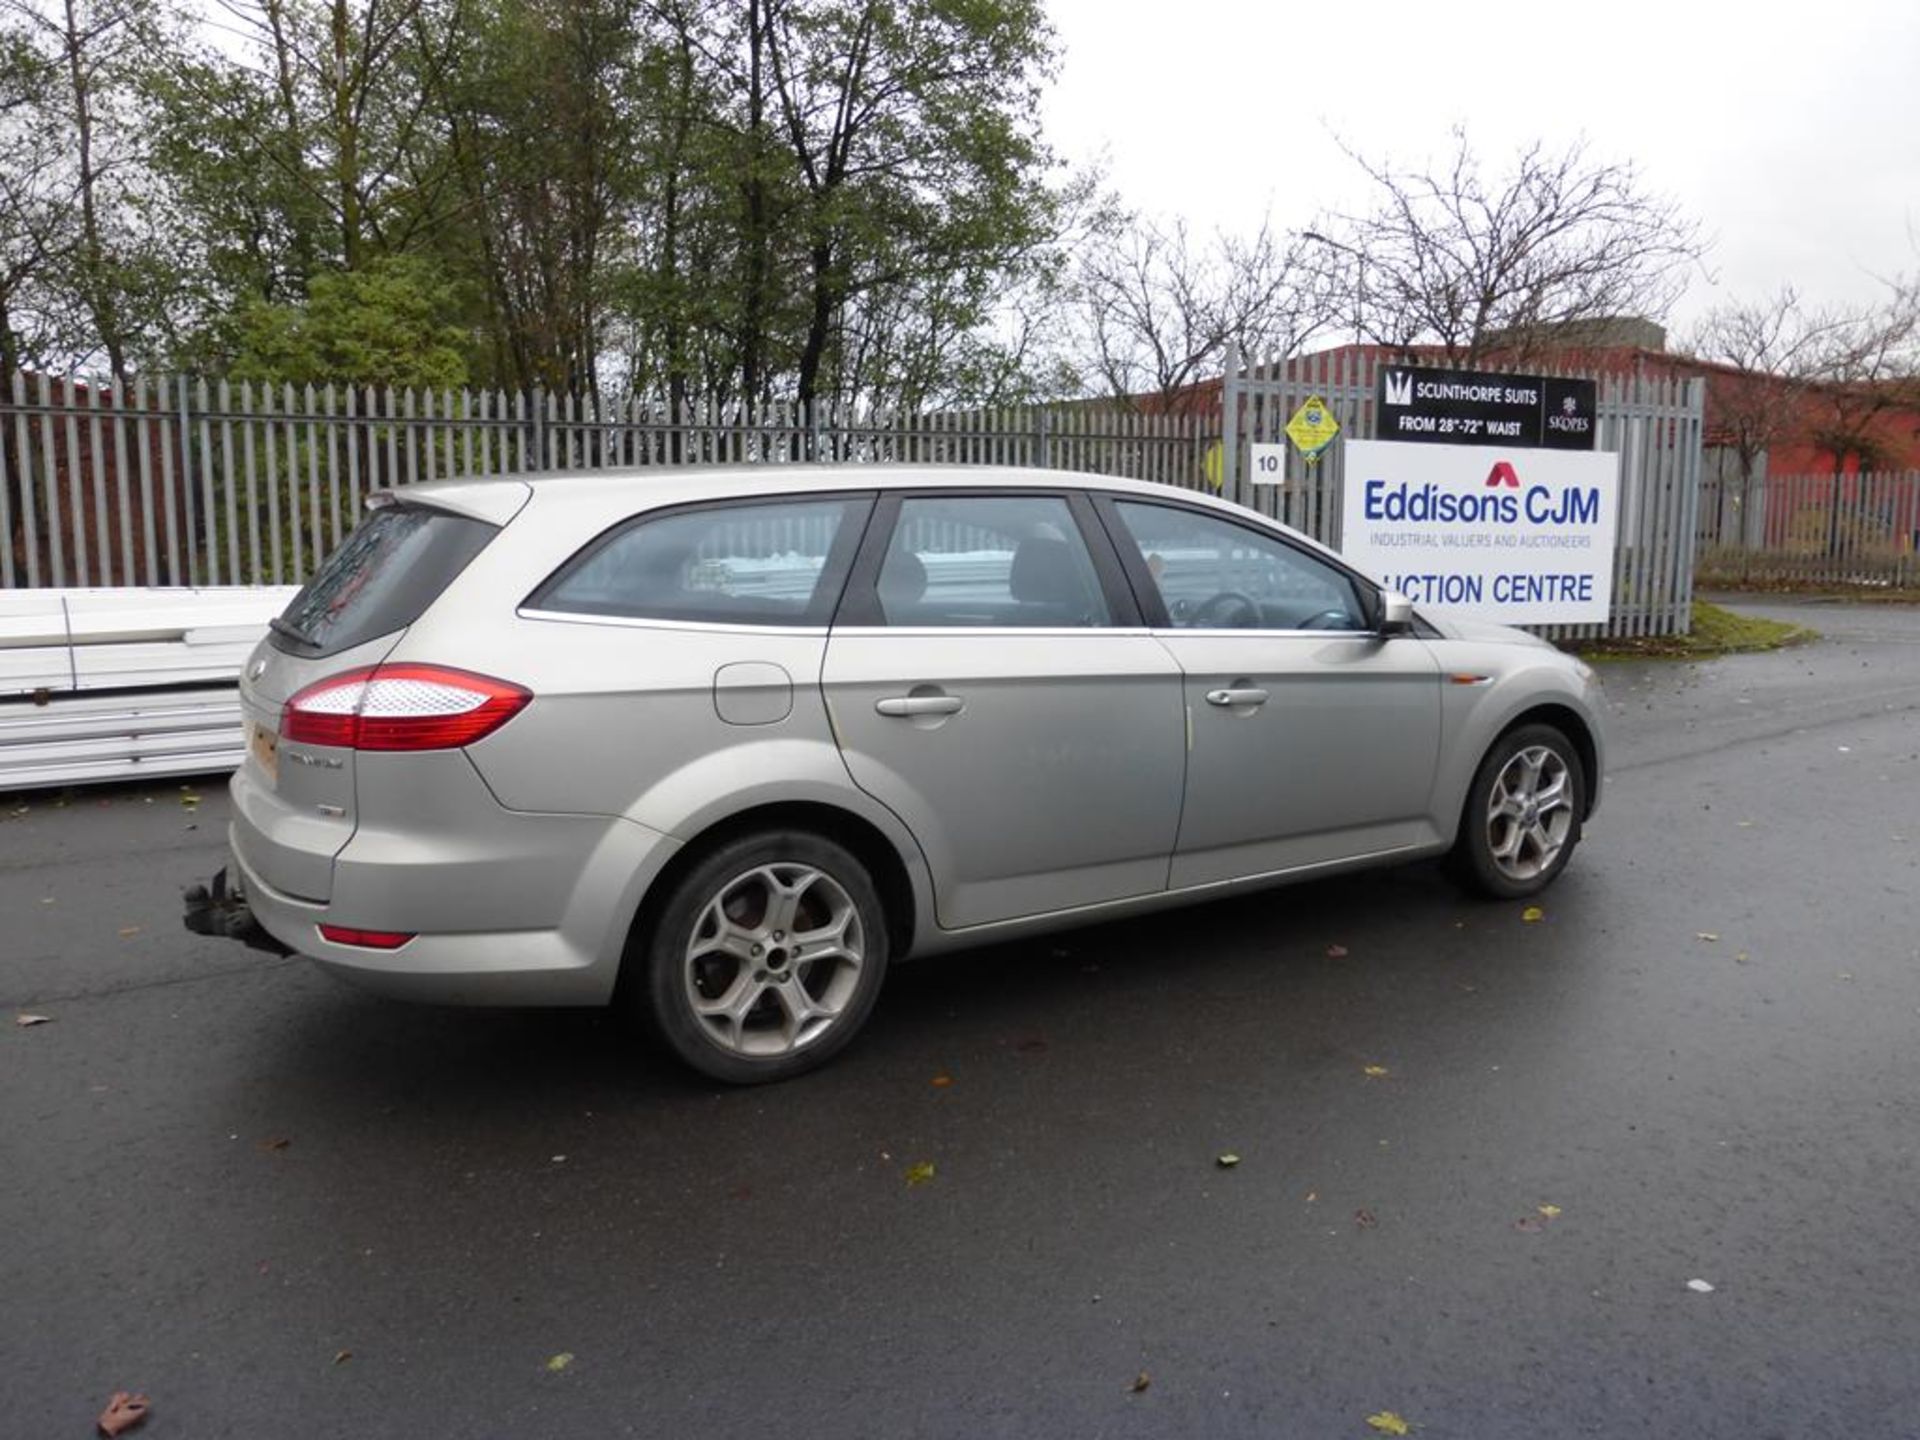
x: 1509, y: 262
x: 1158, y: 309
x: 1869, y: 368
x: 1773, y: 352
x: 1833, y: 376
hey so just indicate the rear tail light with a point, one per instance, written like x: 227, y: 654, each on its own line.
x: 365, y: 939
x: 401, y: 707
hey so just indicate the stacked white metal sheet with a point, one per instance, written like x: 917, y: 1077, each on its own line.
x: 126, y: 683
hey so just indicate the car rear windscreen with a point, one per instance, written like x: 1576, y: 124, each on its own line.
x: 381, y: 579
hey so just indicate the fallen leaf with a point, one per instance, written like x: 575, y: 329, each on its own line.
x: 920, y: 1172
x: 1741, y: 958
x: 560, y: 1361
x: 123, y: 1412
x: 128, y: 931
x: 26, y: 1021
x: 1552, y: 1212
x: 1364, y: 1219
x: 1708, y: 936
x: 278, y: 1142
x: 1374, y: 1072
x: 1140, y: 1382
x: 1530, y: 1224
x: 942, y: 1081
x: 1226, y: 1160
x: 1032, y: 1045
x: 1388, y: 1423
x: 1336, y: 952
x: 1313, y: 1197
x: 1532, y: 914
x: 1699, y: 1287
x: 340, y: 1357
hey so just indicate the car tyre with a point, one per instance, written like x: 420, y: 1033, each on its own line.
x: 766, y: 958
x: 1521, y: 820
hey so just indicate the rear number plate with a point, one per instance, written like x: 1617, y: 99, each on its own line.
x: 264, y: 745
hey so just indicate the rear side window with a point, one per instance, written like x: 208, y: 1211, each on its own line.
x: 989, y: 560
x: 381, y: 579
x: 776, y: 562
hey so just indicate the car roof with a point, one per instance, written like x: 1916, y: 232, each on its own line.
x: 613, y: 491
x: 592, y: 500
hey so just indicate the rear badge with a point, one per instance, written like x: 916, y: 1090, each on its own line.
x: 259, y: 669
x: 318, y: 762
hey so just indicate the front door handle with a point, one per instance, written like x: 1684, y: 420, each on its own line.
x: 1248, y: 696
x: 919, y: 705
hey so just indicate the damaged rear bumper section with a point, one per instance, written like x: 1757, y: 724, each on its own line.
x: 219, y: 908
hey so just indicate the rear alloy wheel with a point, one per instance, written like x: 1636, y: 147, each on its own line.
x: 767, y: 957
x: 1521, y: 821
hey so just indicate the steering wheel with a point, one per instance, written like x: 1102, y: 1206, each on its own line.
x: 1212, y: 613
x: 1334, y: 619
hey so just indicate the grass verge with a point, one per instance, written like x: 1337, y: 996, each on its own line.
x: 1715, y: 631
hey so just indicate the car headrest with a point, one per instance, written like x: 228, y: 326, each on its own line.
x: 1044, y: 573
x: 903, y: 581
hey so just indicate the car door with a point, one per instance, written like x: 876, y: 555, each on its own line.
x: 990, y: 681
x: 1314, y: 739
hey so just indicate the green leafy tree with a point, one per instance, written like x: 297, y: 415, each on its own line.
x: 910, y: 124
x: 386, y: 324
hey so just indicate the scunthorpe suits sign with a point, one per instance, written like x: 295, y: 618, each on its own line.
x: 1516, y: 535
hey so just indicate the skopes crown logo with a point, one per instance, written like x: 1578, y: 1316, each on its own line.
x: 1399, y: 385
x: 1570, y: 421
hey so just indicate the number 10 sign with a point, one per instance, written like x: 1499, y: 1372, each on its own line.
x: 1269, y: 464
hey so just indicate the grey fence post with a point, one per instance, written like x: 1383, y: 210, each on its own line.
x: 1230, y: 424
x: 192, y: 532
x: 1046, y: 439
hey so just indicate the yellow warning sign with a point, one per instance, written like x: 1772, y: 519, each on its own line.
x: 1213, y: 466
x: 1312, y: 428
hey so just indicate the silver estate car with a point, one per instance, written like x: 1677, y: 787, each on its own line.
x: 720, y: 745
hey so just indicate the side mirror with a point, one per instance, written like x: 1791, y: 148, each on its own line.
x: 1396, y: 613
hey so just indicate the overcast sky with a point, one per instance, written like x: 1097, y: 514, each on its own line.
x: 1791, y: 132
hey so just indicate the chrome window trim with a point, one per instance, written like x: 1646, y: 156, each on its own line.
x: 1247, y: 631
x: 1001, y: 632
x: 645, y: 622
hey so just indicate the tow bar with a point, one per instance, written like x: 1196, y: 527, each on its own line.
x: 220, y: 908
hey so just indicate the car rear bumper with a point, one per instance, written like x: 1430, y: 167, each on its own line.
x: 575, y: 960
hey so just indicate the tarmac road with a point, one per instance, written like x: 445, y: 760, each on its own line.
x: 281, y: 1208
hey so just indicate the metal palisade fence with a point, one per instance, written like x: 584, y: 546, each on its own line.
x: 1656, y: 426
x: 172, y: 481
x: 188, y: 482
x: 1811, y: 530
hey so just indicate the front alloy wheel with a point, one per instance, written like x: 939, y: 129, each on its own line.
x: 767, y: 957
x: 1522, y: 816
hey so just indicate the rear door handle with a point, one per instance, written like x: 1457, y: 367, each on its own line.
x: 919, y: 705
x: 1236, y: 697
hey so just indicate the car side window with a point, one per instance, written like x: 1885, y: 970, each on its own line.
x: 1215, y: 574
x: 989, y: 560
x: 779, y: 562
